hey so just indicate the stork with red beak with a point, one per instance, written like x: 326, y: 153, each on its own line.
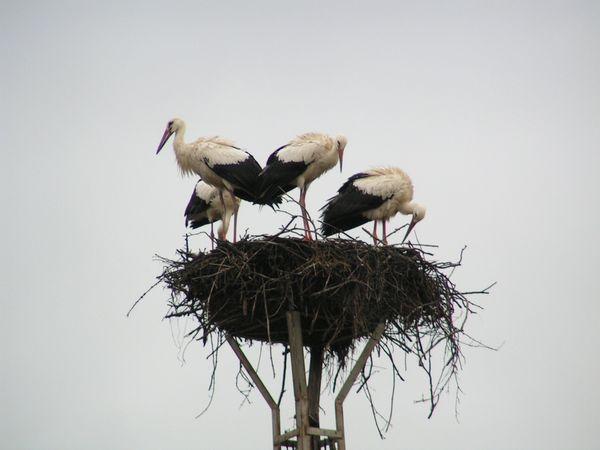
x: 376, y: 195
x: 297, y: 164
x: 218, y: 161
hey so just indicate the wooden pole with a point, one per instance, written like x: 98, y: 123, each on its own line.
x: 358, y: 367
x: 275, y: 414
x: 299, y: 378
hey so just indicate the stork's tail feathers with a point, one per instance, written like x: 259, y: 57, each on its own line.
x: 328, y: 229
x: 329, y: 222
x: 335, y: 225
x: 248, y: 193
x: 196, y: 223
x: 271, y: 197
x: 270, y: 192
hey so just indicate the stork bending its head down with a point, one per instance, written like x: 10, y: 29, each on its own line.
x: 297, y: 164
x: 377, y: 195
x: 205, y: 206
x: 217, y: 160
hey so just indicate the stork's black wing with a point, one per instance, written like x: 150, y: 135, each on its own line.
x: 243, y: 175
x: 195, y: 211
x: 345, y: 210
x: 277, y: 177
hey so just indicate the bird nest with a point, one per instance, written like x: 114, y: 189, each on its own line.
x: 342, y: 288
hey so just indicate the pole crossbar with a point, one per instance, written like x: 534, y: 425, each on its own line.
x: 286, y: 436
x: 331, y: 434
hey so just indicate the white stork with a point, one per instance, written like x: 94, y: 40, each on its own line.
x: 205, y: 207
x: 376, y: 194
x: 217, y: 160
x: 298, y: 164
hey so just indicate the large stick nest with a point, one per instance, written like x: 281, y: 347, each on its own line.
x: 342, y: 288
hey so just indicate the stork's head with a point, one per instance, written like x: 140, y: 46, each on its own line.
x: 172, y: 127
x: 341, y: 142
x: 418, y: 214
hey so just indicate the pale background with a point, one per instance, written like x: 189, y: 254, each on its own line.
x: 492, y: 107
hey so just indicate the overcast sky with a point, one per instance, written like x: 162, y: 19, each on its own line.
x: 493, y: 108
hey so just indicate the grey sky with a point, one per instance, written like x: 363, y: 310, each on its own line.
x: 493, y: 108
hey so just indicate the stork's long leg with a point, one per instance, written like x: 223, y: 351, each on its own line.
x: 223, y: 229
x: 225, y: 226
x: 235, y: 214
x: 307, y: 234
x: 384, y: 231
x: 375, y: 232
x: 212, y: 235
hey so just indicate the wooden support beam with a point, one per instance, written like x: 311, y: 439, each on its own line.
x: 275, y: 414
x: 358, y: 367
x: 286, y: 436
x: 315, y: 372
x: 299, y: 378
x: 332, y: 434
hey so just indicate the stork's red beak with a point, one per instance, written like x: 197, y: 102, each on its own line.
x: 410, y: 227
x: 341, y: 155
x: 167, y: 134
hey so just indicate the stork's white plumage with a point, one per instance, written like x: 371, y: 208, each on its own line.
x: 217, y: 160
x: 298, y: 164
x: 377, y: 194
x: 205, y: 206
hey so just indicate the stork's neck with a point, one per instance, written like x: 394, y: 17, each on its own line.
x: 178, y: 143
x: 183, y: 151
